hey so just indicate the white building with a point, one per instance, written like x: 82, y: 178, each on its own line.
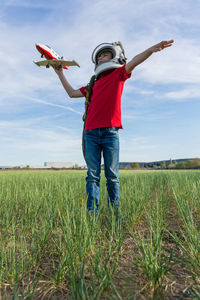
x: 58, y: 164
x: 5, y: 167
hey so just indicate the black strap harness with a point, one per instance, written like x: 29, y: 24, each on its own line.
x: 87, y: 103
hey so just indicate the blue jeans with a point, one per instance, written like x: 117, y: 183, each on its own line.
x: 97, y: 141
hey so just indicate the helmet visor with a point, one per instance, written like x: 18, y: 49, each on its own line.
x: 104, y: 47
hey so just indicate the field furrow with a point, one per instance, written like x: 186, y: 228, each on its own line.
x: 52, y: 249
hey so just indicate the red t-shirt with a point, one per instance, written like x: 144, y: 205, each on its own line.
x: 105, y: 106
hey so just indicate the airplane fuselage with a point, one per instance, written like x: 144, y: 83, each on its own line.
x: 48, y: 52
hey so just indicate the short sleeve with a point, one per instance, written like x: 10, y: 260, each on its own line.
x: 83, y: 90
x: 124, y: 76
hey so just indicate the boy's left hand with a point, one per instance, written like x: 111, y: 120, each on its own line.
x: 138, y: 59
x: 162, y: 45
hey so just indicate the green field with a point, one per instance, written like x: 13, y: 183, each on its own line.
x: 51, y: 249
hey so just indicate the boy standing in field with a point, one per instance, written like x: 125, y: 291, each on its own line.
x: 103, y: 117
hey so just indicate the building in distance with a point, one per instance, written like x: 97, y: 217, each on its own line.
x: 58, y: 164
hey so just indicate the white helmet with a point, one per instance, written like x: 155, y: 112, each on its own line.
x: 118, y: 57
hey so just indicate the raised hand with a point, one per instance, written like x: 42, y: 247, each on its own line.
x: 58, y: 69
x: 162, y: 45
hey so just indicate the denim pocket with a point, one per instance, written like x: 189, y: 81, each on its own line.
x: 113, y: 130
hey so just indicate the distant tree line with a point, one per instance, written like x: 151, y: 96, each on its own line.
x: 188, y: 164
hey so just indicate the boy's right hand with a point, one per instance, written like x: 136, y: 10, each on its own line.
x: 58, y: 70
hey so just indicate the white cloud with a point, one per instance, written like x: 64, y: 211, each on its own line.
x: 77, y: 42
x: 20, y: 138
x: 135, y: 148
x: 178, y: 64
x: 147, y: 115
x: 53, y: 104
x: 184, y: 94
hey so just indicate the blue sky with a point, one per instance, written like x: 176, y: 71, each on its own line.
x: 160, y: 103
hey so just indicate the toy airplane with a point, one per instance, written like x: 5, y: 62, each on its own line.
x: 52, y: 58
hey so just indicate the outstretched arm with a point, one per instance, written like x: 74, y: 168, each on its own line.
x: 138, y: 59
x: 67, y: 86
